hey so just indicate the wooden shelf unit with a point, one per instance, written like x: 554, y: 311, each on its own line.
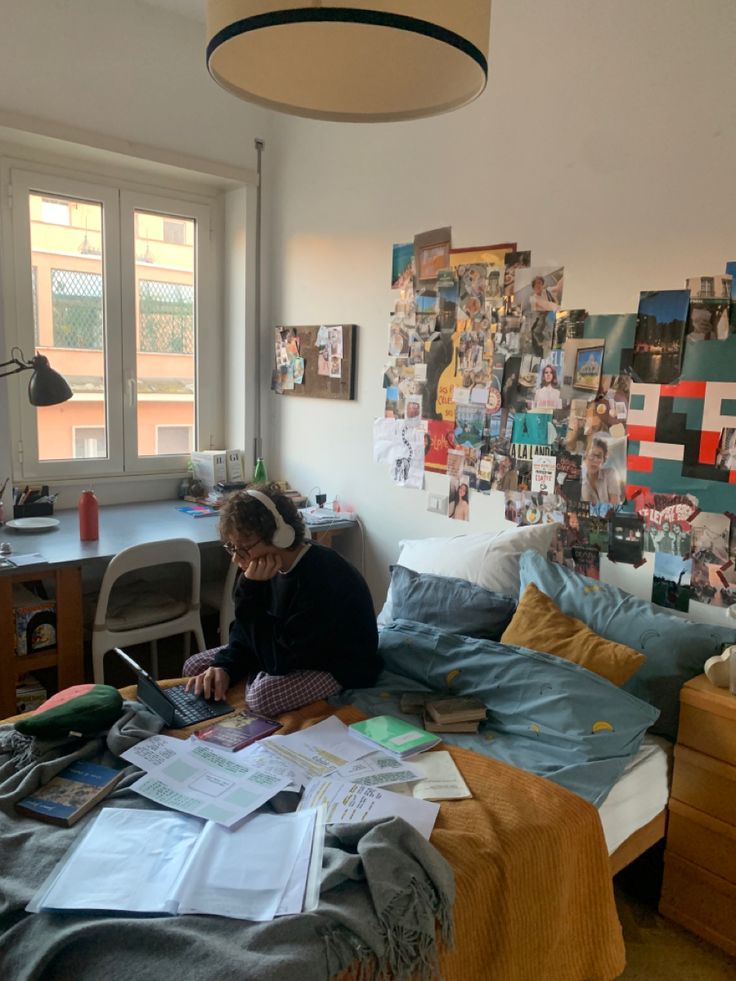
x: 68, y: 655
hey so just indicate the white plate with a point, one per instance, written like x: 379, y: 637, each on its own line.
x: 33, y: 524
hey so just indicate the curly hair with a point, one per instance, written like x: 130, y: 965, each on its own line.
x: 243, y: 514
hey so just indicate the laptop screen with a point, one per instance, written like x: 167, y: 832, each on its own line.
x: 155, y: 698
x: 149, y: 692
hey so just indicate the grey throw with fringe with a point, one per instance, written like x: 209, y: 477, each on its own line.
x: 386, y: 896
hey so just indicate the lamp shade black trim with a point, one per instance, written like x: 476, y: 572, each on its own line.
x: 347, y: 15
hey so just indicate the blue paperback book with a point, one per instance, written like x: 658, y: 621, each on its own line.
x: 71, y: 793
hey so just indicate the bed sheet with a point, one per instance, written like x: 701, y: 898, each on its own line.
x: 639, y: 794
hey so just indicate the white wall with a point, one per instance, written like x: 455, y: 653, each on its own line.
x: 605, y: 140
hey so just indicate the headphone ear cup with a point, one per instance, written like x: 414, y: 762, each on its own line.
x: 284, y: 535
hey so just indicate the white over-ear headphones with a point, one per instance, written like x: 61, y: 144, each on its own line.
x: 284, y: 535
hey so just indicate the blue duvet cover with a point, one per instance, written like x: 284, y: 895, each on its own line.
x: 545, y: 714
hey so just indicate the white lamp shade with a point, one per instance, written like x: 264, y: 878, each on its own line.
x: 357, y: 62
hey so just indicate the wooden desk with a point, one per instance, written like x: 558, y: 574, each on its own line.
x: 121, y: 526
x: 325, y: 532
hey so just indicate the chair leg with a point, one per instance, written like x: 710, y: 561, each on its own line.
x: 154, y: 658
x: 98, y: 666
x: 199, y: 637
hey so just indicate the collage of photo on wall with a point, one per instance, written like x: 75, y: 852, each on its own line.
x: 493, y: 386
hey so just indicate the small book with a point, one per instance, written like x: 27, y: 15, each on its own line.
x: 71, y: 793
x: 461, y: 708
x: 198, y: 510
x: 238, y: 731
x: 413, y: 702
x: 461, y: 725
x: 440, y: 778
x: 394, y: 735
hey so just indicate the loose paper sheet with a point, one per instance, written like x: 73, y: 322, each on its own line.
x: 351, y: 803
x: 191, y: 777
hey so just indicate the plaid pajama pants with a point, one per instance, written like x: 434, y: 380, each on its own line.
x: 271, y: 694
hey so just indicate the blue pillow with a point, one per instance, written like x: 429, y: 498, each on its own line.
x: 545, y: 714
x: 454, y: 605
x: 676, y: 649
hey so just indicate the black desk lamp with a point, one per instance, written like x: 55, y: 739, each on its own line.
x: 46, y: 387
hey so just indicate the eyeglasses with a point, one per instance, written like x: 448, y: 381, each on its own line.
x: 242, y: 551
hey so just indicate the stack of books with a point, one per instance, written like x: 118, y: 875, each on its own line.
x: 455, y: 713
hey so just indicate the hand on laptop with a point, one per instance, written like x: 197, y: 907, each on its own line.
x: 212, y: 683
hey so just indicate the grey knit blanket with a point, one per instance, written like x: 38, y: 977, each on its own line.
x: 385, y: 895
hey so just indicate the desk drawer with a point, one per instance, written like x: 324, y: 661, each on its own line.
x: 699, y: 901
x: 702, y: 840
x: 706, y: 784
x: 708, y: 733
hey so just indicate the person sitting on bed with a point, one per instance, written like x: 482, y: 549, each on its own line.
x: 304, y: 626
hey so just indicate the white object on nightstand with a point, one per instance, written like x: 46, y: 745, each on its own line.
x: 721, y: 669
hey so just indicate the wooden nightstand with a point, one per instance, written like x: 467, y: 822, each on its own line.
x: 699, y: 887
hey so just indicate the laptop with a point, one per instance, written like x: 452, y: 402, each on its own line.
x: 176, y: 706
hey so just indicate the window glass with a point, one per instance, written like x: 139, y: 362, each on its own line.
x: 67, y: 276
x: 165, y: 337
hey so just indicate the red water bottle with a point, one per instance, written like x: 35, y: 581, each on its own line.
x: 89, y: 517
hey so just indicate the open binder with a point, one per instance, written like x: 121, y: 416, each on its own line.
x: 166, y: 863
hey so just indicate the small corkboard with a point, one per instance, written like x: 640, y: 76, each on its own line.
x: 314, y: 385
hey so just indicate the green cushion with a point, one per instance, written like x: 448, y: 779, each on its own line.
x: 86, y: 709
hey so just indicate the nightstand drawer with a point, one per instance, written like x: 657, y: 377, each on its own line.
x: 699, y: 901
x: 702, y: 840
x: 711, y: 734
x: 704, y: 783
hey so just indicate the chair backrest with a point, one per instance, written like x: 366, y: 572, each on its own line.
x: 138, y: 557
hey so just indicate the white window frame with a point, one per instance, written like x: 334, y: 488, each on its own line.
x: 119, y: 201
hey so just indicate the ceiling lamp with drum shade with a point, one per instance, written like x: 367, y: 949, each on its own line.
x: 357, y: 62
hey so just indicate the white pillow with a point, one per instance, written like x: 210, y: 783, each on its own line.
x: 488, y: 559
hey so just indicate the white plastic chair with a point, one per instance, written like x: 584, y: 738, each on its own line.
x: 220, y: 597
x: 142, y: 612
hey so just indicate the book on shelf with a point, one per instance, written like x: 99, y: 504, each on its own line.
x: 440, y: 778
x: 394, y: 735
x: 456, y: 708
x: 460, y: 725
x: 71, y: 793
x: 238, y: 731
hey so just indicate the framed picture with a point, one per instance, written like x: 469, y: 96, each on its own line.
x: 588, y: 365
x: 431, y: 254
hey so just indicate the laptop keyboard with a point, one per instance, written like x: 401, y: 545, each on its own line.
x: 193, y: 708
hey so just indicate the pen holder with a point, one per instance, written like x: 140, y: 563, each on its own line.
x: 33, y: 510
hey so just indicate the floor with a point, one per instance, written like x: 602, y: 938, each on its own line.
x: 658, y: 949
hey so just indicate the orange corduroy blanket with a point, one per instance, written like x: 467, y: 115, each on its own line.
x: 534, y: 892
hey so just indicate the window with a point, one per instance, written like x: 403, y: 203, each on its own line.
x: 89, y: 442
x: 174, y: 439
x: 175, y: 232
x: 111, y: 284
x: 55, y: 212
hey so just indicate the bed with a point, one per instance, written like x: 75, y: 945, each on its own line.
x: 532, y: 858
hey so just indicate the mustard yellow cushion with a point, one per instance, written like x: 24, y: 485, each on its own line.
x: 540, y: 625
